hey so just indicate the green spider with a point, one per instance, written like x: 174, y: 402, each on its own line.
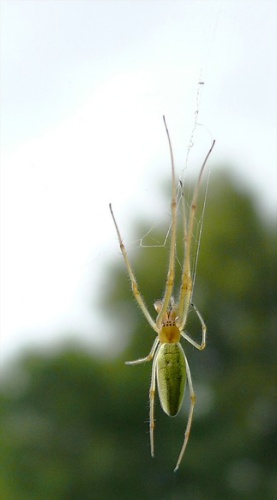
x: 170, y: 368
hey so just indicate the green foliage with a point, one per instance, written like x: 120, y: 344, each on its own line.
x: 76, y: 427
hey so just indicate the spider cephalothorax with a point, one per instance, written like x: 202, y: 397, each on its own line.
x: 169, y: 332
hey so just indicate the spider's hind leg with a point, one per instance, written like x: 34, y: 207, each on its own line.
x: 189, y: 422
x: 152, y: 391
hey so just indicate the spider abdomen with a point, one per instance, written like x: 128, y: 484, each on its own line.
x: 171, y: 377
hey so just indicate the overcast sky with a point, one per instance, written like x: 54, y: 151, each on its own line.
x: 84, y: 88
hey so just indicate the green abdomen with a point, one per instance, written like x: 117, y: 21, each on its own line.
x: 171, y: 377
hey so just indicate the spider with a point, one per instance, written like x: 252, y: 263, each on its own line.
x: 170, y: 368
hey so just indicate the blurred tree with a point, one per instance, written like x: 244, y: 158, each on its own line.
x: 76, y: 427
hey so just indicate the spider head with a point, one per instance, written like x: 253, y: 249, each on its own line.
x: 170, y: 332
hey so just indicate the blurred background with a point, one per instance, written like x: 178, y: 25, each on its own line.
x: 84, y: 88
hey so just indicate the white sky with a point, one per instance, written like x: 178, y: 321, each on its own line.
x: 84, y: 88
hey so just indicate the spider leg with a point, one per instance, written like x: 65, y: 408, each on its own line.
x: 189, y: 422
x: 152, y: 391
x: 133, y: 280
x: 172, y: 253
x: 147, y: 358
x: 198, y: 346
x: 152, y: 388
x: 186, y: 281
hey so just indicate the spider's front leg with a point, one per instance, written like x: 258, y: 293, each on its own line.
x: 134, y: 285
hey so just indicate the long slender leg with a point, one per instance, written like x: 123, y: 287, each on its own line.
x: 186, y: 281
x: 133, y: 280
x: 152, y: 391
x: 191, y: 410
x: 147, y: 358
x: 204, y: 331
x: 172, y: 252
